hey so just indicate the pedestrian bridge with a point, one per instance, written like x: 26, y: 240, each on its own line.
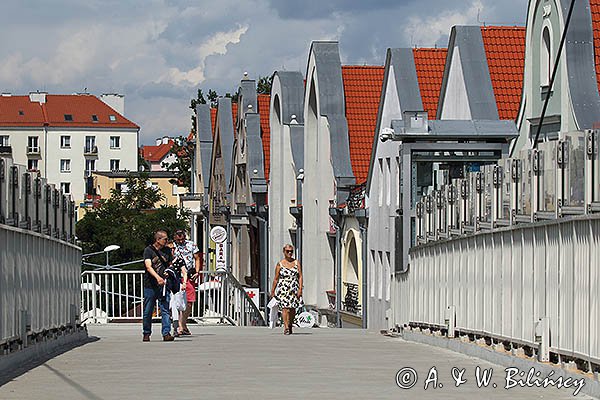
x: 257, y: 362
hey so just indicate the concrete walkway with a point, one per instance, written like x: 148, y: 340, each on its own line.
x: 256, y: 363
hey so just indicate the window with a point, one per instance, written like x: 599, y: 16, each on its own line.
x: 388, y: 274
x: 65, y: 187
x: 33, y: 144
x: 65, y: 165
x: 114, y: 165
x: 397, y: 182
x: 68, y: 117
x: 115, y: 142
x: 90, y: 144
x: 175, y: 191
x: 373, y: 272
x: 112, y: 118
x: 380, y: 275
x: 32, y: 164
x: 90, y: 166
x: 94, y: 118
x: 65, y: 142
x: 4, y: 140
x: 545, y: 57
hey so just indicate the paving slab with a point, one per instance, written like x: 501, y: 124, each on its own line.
x: 259, y: 363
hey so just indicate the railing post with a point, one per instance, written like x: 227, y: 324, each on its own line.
x: 542, y: 338
x: 450, y: 320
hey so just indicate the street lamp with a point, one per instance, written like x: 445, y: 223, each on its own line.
x: 106, y: 250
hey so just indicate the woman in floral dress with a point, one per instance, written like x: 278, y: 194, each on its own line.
x: 287, y: 286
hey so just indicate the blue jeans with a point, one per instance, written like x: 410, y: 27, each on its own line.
x: 150, y: 297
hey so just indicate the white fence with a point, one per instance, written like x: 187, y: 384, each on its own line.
x: 501, y: 283
x: 113, y: 296
x: 39, y: 283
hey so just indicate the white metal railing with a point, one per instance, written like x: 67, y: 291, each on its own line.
x: 108, y: 296
x: 501, y: 284
x: 39, y: 278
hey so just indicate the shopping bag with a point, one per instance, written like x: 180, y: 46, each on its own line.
x: 273, y: 307
x: 178, y: 301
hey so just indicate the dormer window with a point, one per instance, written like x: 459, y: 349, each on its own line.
x: 69, y: 117
x: 94, y: 118
x: 545, y: 57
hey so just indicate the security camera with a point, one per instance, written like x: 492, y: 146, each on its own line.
x: 386, y: 134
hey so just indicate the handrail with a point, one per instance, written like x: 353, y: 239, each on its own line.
x: 239, y: 286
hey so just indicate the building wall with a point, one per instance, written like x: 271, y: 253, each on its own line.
x: 104, y: 184
x: 559, y: 103
x: 383, y: 199
x: 456, y: 103
x: 51, y: 153
x: 318, y: 190
x: 282, y: 185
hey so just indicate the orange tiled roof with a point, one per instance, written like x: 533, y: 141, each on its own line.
x: 429, y: 64
x: 156, y: 153
x: 20, y: 111
x: 213, y: 117
x: 264, y: 103
x: 505, y: 52
x: 595, y: 10
x: 362, y: 88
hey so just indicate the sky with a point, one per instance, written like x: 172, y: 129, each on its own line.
x: 158, y: 53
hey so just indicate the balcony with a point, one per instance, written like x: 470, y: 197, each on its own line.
x: 33, y: 150
x: 6, y: 150
x: 90, y: 150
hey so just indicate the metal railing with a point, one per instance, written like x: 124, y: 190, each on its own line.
x: 511, y: 252
x: 111, y: 296
x: 38, y: 285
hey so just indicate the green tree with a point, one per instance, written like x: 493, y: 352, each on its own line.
x: 183, y: 150
x: 264, y: 84
x: 128, y: 219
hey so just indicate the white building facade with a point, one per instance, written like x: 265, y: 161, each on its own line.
x: 66, y: 137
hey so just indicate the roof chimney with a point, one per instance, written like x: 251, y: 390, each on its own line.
x: 165, y: 140
x: 37, y: 97
x: 158, y: 141
x: 6, y: 94
x: 115, y: 101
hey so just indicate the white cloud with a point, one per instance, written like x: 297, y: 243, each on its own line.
x: 216, y: 44
x: 426, y: 32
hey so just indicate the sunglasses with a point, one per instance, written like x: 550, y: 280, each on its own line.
x: 289, y: 251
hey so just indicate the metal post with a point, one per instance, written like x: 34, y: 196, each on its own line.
x: 338, y: 278
x: 365, y: 298
x: 263, y: 226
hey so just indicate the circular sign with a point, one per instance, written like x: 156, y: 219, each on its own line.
x: 305, y: 320
x: 218, y: 234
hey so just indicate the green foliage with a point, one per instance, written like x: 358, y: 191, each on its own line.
x: 264, y: 84
x: 128, y: 220
x: 182, y: 166
x: 213, y: 98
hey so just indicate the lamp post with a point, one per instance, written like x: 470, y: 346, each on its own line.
x: 106, y: 250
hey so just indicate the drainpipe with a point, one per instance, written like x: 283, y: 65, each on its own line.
x: 262, y: 218
x: 335, y: 214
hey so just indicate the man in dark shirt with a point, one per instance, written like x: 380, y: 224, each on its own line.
x: 157, y: 257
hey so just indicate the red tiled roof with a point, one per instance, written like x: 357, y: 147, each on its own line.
x: 595, y: 10
x: 362, y: 88
x: 20, y: 111
x: 213, y: 117
x: 264, y: 104
x: 156, y: 153
x: 429, y: 64
x: 505, y: 52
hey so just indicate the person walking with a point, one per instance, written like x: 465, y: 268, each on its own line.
x: 190, y: 254
x: 287, y: 287
x: 157, y: 258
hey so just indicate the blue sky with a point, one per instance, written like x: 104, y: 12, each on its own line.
x: 159, y: 52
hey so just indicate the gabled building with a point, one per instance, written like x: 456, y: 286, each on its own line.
x: 574, y: 102
x: 286, y: 116
x: 412, y: 82
x: 158, y: 155
x: 337, y: 138
x: 248, y: 187
x: 483, y: 75
x: 67, y: 137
